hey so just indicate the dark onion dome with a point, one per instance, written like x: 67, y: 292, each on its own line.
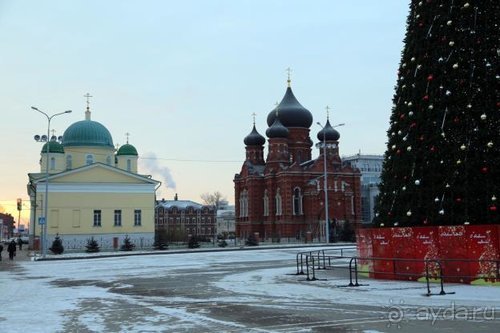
x: 254, y: 138
x: 87, y: 133
x: 127, y: 149
x: 329, y: 133
x: 292, y: 113
x: 277, y: 130
x: 54, y: 147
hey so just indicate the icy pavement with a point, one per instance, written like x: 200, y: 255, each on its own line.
x: 236, y: 291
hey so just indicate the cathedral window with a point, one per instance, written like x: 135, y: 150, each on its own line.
x: 89, y: 159
x: 69, y: 162
x: 266, y: 203
x: 297, y: 202
x: 97, y: 218
x: 244, y: 204
x: 129, y: 165
x: 138, y: 217
x: 118, y: 218
x: 278, y: 203
x: 52, y: 163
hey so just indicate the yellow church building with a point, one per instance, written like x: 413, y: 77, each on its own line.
x: 94, y: 190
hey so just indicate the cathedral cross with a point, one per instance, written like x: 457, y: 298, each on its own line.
x: 88, y: 96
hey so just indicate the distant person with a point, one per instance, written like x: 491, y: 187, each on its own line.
x: 20, y: 243
x: 1, y: 249
x: 12, y: 249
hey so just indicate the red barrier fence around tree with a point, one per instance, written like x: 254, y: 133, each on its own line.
x: 473, y: 248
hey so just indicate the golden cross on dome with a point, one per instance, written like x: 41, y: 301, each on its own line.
x: 117, y: 145
x: 253, y: 115
x: 53, y: 132
x: 289, y: 72
x: 127, y: 135
x: 88, y: 96
x: 327, y: 112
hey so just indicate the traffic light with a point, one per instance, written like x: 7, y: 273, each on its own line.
x: 19, y: 204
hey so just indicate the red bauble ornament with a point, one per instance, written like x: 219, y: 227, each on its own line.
x: 402, y: 116
x: 413, y: 124
x: 398, y: 151
x: 458, y: 200
x: 493, y: 208
x: 425, y: 98
x: 484, y: 170
x: 433, y: 149
x: 430, y: 77
x: 498, y: 104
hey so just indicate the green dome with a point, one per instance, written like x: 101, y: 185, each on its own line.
x: 127, y: 149
x: 87, y: 133
x: 54, y: 147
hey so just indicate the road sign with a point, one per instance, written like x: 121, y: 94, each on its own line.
x: 41, y: 220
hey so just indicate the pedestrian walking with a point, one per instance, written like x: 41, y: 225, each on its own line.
x: 1, y: 249
x: 20, y: 243
x: 12, y: 249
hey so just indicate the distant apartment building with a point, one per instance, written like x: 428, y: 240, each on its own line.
x: 7, y: 225
x: 177, y: 219
x: 370, y: 167
x: 225, y: 220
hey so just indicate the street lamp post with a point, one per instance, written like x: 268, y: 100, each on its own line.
x: 325, y: 183
x: 46, y: 201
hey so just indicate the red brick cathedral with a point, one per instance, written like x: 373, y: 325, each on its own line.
x: 282, y: 196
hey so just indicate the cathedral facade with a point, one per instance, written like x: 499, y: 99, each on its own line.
x: 282, y: 195
x: 86, y: 187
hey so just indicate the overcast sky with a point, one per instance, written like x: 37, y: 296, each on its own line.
x: 184, y: 77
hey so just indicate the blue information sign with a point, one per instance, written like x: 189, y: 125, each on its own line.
x: 41, y: 220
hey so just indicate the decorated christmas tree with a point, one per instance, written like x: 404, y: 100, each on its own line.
x: 442, y: 161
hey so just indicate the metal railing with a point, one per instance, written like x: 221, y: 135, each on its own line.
x: 434, y: 268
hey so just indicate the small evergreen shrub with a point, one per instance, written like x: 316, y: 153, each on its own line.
x: 193, y: 243
x: 251, y: 240
x: 160, y: 241
x: 57, y: 247
x: 127, y: 244
x: 92, y: 246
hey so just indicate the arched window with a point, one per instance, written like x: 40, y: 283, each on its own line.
x: 244, y: 203
x: 297, y: 202
x: 266, y: 203
x: 129, y: 165
x: 278, y: 203
x: 52, y: 163
x: 89, y: 159
x: 69, y: 162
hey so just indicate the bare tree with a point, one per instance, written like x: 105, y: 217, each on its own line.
x: 214, y: 199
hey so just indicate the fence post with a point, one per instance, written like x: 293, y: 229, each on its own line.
x: 297, y: 260
x: 356, y: 271
x: 314, y: 272
x: 427, y: 277
x: 307, y: 268
x: 350, y: 272
x: 441, y: 278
